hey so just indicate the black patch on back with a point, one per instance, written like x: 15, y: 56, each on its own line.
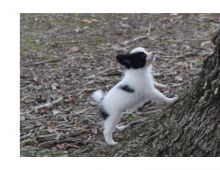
x: 126, y: 88
x: 134, y: 60
x: 104, y: 114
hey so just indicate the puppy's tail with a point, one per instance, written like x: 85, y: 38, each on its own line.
x: 98, y: 96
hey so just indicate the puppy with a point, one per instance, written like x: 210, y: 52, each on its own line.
x: 136, y: 87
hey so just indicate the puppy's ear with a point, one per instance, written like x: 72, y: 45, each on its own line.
x: 124, y: 60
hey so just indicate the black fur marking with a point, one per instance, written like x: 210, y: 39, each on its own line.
x: 134, y: 60
x: 104, y: 114
x: 126, y: 88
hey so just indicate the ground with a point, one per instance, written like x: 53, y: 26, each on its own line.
x: 65, y: 57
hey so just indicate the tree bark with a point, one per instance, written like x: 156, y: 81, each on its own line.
x: 189, y: 127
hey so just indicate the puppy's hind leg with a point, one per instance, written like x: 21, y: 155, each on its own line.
x: 109, y: 125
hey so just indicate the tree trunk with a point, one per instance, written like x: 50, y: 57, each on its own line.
x: 190, y: 127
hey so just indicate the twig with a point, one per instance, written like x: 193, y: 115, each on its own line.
x: 46, y: 105
x: 183, y: 56
x: 94, y: 75
x: 24, y: 98
x: 85, y: 90
x: 149, y: 30
x: 44, y: 61
x: 122, y: 127
x: 135, y: 39
x: 136, y: 122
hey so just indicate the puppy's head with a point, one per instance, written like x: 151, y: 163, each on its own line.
x: 136, y: 59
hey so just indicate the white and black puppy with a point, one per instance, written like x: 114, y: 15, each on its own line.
x: 136, y: 87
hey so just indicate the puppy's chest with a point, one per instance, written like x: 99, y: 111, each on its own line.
x: 141, y: 84
x: 140, y: 88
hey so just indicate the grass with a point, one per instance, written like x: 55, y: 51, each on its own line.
x: 99, y: 40
x: 29, y: 44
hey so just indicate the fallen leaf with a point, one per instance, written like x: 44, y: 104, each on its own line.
x: 54, y: 86
x: 35, y: 78
x: 87, y: 21
x: 207, y: 45
x: 22, y: 118
x: 179, y: 78
x: 60, y: 146
x: 74, y: 49
x: 55, y: 112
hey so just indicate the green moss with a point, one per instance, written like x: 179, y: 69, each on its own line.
x: 46, y: 57
x: 128, y: 118
x: 30, y: 44
x: 57, y: 21
x: 99, y: 39
x: 198, y: 61
x: 36, y: 151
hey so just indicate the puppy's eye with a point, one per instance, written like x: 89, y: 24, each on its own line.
x: 138, y: 55
x: 146, y: 55
x: 143, y: 55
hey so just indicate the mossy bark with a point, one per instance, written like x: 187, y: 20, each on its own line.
x: 191, y: 127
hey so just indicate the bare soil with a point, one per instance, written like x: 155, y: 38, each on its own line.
x: 65, y: 57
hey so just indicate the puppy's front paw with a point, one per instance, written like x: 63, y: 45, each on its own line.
x: 108, y: 139
x: 111, y: 142
x: 172, y: 100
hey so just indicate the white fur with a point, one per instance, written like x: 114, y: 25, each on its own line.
x: 117, y: 100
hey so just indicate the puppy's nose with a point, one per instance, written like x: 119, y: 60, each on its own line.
x: 150, y: 53
x: 150, y: 56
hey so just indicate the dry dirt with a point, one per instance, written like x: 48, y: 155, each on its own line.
x: 65, y: 57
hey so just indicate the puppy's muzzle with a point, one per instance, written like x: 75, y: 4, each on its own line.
x: 150, y: 57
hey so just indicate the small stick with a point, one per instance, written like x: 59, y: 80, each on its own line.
x: 94, y: 75
x: 135, y: 39
x: 46, y: 105
x: 43, y: 62
x: 149, y: 30
x: 122, y: 127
